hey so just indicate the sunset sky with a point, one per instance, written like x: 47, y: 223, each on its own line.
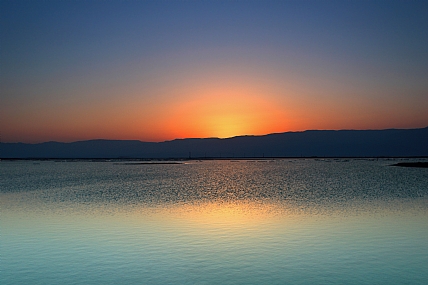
x: 160, y: 70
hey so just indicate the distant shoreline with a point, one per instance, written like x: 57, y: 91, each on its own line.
x: 179, y: 160
x: 321, y: 144
x: 412, y: 164
x: 147, y: 163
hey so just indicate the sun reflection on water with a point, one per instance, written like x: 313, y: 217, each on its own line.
x: 226, y: 214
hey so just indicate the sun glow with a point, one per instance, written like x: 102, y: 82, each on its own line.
x: 226, y: 125
x: 225, y: 113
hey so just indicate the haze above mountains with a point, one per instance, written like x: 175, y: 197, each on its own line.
x: 314, y: 143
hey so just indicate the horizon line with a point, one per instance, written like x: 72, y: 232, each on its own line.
x: 203, y: 138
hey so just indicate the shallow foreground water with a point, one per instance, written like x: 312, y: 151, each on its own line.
x: 214, y: 222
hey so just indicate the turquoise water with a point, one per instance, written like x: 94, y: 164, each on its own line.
x: 214, y: 222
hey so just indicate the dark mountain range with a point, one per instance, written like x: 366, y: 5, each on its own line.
x: 343, y: 143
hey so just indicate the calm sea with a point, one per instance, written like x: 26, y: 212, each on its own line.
x: 214, y: 222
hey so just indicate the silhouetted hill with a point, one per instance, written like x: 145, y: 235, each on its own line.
x: 343, y: 143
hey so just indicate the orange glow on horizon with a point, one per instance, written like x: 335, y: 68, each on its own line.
x: 225, y: 112
x: 207, y: 105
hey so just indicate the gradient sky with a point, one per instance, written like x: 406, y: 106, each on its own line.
x: 160, y: 70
